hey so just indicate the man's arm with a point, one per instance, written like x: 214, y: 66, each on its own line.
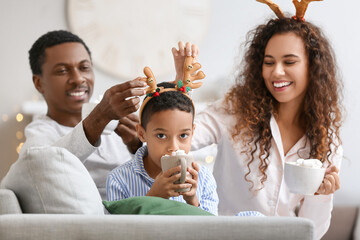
x: 44, y: 131
x: 126, y: 129
x: 118, y: 102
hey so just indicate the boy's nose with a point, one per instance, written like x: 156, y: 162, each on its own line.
x: 173, y: 146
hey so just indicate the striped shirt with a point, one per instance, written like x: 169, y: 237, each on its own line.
x: 131, y: 179
x: 250, y: 214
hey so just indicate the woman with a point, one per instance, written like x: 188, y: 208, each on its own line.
x: 283, y: 106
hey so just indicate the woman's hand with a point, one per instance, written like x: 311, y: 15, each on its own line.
x: 331, y: 181
x: 179, y: 57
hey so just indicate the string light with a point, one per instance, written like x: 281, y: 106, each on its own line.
x: 19, y: 135
x: 19, y: 117
x: 209, y: 159
x: 18, y: 148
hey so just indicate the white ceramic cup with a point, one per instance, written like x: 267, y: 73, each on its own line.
x: 302, y: 179
x: 86, y: 110
x: 185, y: 161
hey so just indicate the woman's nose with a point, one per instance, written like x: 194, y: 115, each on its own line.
x: 279, y: 70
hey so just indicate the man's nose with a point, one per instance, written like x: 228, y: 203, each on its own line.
x: 76, y: 77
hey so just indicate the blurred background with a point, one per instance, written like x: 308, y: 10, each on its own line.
x: 125, y: 36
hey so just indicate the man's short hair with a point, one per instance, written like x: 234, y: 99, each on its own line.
x: 170, y: 100
x: 50, y: 39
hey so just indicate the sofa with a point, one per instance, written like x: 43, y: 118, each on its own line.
x: 48, y: 194
x: 16, y: 225
x: 345, y: 223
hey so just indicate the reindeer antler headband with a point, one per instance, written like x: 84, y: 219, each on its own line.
x: 300, y: 7
x: 185, y: 85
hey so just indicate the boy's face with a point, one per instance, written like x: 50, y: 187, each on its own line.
x: 166, y: 132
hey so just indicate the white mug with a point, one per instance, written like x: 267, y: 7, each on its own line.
x: 302, y: 179
x: 184, y: 160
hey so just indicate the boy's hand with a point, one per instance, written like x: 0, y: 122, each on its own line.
x: 190, y: 197
x: 331, y: 181
x: 164, y: 185
x: 179, y: 57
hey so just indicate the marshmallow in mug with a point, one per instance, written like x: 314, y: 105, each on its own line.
x: 304, y: 176
x: 177, y: 153
x: 311, y: 163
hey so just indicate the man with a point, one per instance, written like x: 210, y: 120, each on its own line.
x: 63, y: 73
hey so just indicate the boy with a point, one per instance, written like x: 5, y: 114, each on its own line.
x: 166, y: 126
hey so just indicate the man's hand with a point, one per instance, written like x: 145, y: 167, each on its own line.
x: 190, y: 197
x: 126, y: 129
x: 164, y: 185
x: 331, y: 181
x: 179, y: 57
x: 117, y: 102
x: 122, y: 99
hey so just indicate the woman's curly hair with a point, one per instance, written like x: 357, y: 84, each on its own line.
x: 252, y: 104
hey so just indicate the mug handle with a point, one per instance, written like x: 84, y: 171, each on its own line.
x: 183, y: 170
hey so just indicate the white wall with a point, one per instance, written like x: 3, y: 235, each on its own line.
x: 22, y: 22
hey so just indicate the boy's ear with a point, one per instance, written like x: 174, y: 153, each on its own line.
x: 37, y: 83
x: 194, y: 126
x: 140, y: 132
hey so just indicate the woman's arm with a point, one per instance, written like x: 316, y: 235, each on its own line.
x: 208, y: 126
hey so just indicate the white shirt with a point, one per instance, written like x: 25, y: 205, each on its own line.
x: 214, y: 125
x: 109, y: 152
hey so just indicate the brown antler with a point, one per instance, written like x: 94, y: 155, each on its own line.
x: 276, y: 9
x: 189, y: 73
x: 150, y: 80
x: 301, y: 7
x: 152, y: 90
